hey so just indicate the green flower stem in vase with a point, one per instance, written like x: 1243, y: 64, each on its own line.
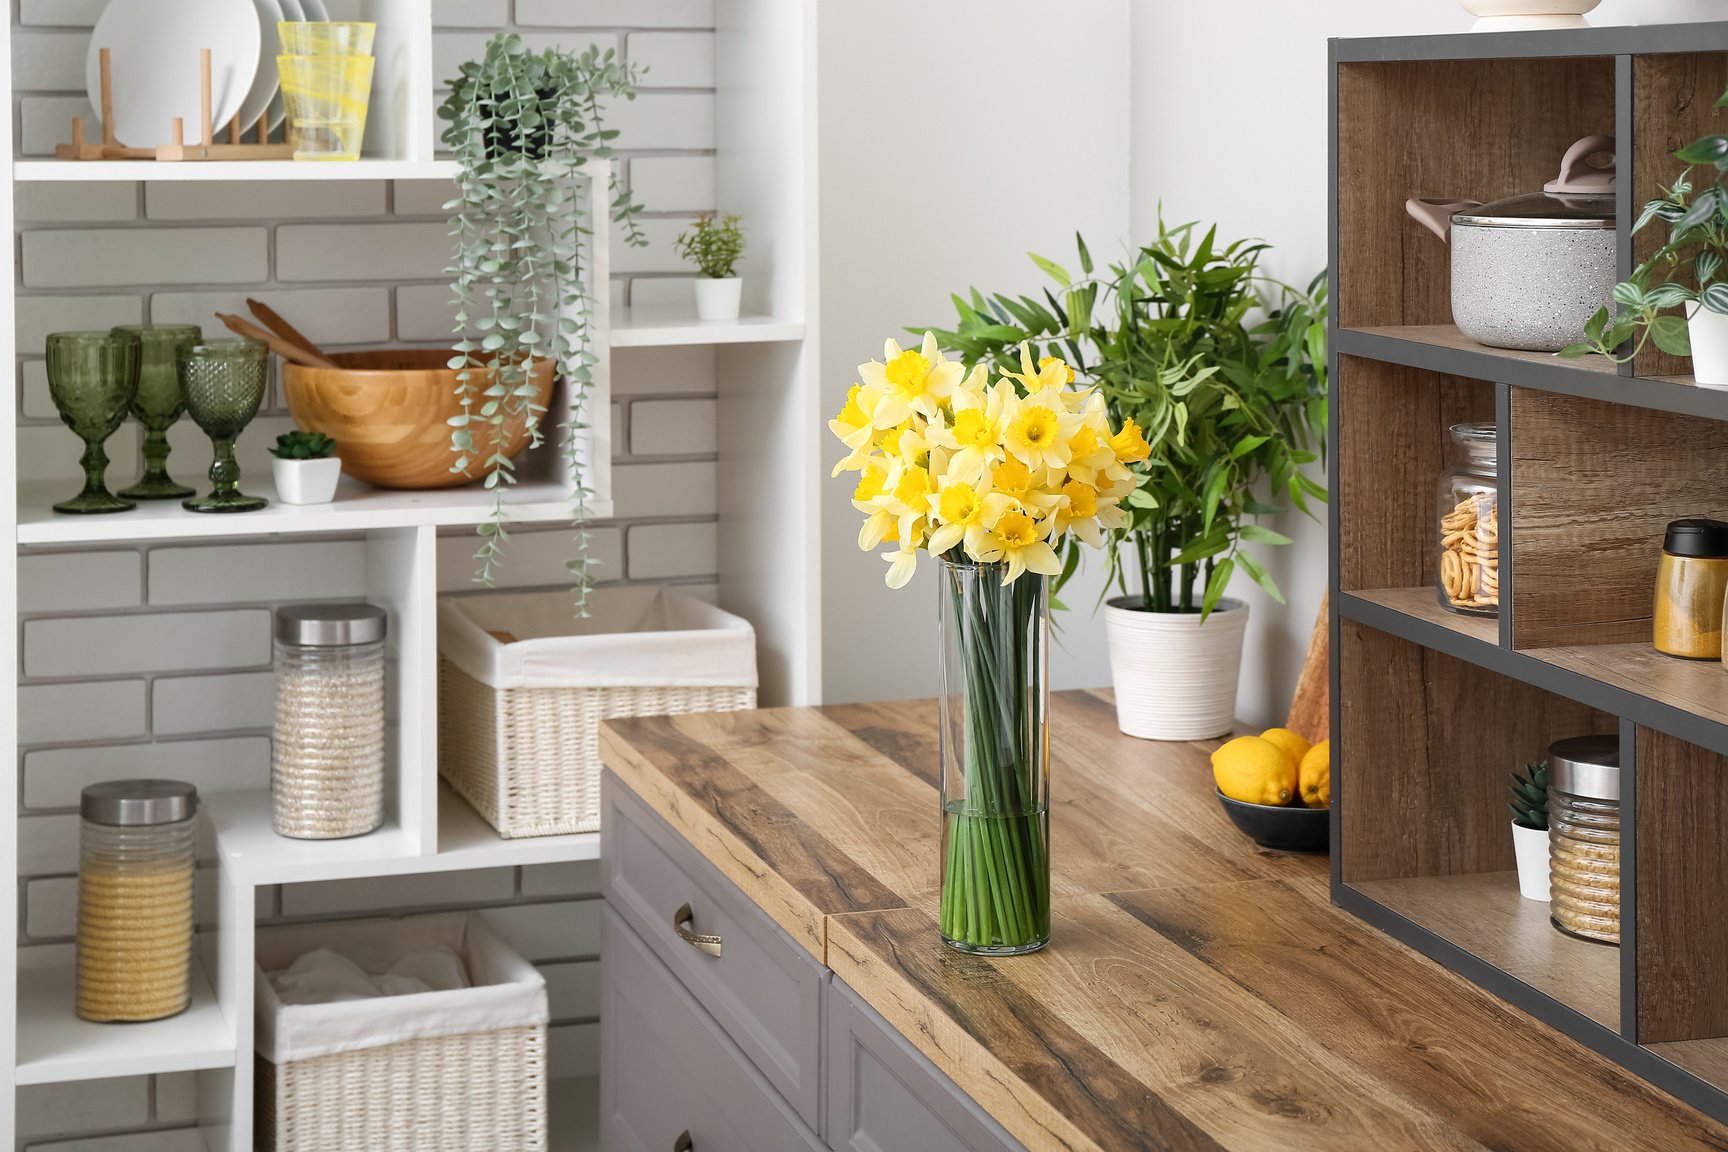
x: 224, y: 384
x: 159, y: 404
x: 995, y: 760
x: 92, y: 378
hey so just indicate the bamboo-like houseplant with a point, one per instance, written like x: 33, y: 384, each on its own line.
x: 523, y: 127
x: 1233, y: 411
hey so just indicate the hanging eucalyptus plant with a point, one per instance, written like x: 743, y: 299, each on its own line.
x: 523, y: 126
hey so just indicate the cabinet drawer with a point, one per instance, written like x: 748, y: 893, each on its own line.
x: 885, y: 1094
x: 762, y: 988
x: 666, y: 1069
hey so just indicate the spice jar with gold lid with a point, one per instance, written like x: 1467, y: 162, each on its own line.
x: 135, y: 868
x: 1691, y: 580
x: 1584, y: 836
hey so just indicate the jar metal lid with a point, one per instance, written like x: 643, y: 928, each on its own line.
x: 1697, y: 538
x: 138, y: 803
x: 1587, y: 766
x: 330, y: 625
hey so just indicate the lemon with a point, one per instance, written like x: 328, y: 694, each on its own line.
x: 1314, y: 777
x: 1291, y: 742
x: 1255, y: 771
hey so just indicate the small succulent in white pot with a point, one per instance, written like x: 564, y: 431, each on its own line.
x: 714, y: 244
x: 1530, y: 830
x: 305, y: 468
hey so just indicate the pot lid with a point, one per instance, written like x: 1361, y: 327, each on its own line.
x: 1582, y: 196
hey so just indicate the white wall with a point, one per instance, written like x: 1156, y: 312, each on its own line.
x: 954, y: 138
x: 1210, y: 82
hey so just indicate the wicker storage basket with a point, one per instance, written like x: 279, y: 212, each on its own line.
x: 427, y: 1072
x: 523, y: 686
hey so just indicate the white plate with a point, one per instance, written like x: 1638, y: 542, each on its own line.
x: 265, y: 83
x: 315, y: 9
x: 291, y: 10
x: 154, y: 48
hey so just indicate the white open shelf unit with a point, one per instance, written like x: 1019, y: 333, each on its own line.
x: 769, y: 466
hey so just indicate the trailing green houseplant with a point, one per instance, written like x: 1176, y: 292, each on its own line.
x: 523, y: 126
x: 1685, y: 271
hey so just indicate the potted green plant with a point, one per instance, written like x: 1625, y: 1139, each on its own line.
x: 1684, y: 272
x: 523, y: 127
x: 714, y: 244
x: 1231, y: 411
x: 305, y: 468
x: 1530, y: 830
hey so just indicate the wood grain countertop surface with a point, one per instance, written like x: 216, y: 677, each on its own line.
x: 1199, y: 993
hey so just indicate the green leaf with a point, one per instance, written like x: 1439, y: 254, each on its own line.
x: 1215, y: 587
x: 1715, y: 297
x: 1052, y: 269
x: 1669, y: 333
x: 1626, y: 293
x: 1598, y: 323
x: 1706, y: 150
x: 1259, y: 576
x: 1262, y: 535
x: 1085, y: 255
x: 1574, y: 351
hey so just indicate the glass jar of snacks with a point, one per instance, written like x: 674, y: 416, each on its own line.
x: 327, y: 761
x: 1691, y: 579
x: 135, y: 866
x: 1469, y: 574
x: 1584, y: 836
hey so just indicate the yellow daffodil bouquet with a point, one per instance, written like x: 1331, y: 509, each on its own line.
x: 991, y: 477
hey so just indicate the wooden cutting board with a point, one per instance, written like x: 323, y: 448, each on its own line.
x: 1311, y: 707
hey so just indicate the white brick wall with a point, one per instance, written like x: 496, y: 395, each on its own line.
x: 153, y: 660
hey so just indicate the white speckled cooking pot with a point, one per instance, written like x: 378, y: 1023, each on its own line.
x: 1528, y: 272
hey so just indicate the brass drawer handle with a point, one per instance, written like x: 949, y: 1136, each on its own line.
x: 708, y: 944
x: 684, y: 1143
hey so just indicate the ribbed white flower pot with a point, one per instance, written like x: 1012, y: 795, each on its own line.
x: 718, y: 299
x: 1530, y: 846
x: 1175, y: 678
x: 1520, y: 15
x: 1709, y: 333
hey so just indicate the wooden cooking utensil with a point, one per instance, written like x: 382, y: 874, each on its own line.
x: 269, y: 317
x: 290, y: 352
x: 1311, y: 708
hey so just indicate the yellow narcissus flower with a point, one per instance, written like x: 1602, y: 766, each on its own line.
x: 960, y: 509
x: 854, y: 428
x: 910, y: 382
x: 973, y: 440
x: 1038, y: 431
x: 1130, y: 443
x: 1018, y: 541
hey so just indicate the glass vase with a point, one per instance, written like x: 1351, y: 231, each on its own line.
x: 995, y: 745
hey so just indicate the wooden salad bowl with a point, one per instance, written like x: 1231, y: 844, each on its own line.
x: 389, y: 412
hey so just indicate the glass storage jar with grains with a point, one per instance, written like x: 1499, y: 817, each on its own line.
x: 327, y: 759
x: 1469, y: 515
x: 1584, y: 836
x: 135, y: 867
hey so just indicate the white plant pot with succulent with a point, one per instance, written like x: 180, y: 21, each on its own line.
x: 714, y: 245
x: 1530, y: 830
x: 305, y: 468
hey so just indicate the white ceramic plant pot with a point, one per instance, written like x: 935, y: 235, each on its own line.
x: 1175, y: 677
x: 718, y: 299
x: 1520, y: 15
x: 1530, y: 846
x: 1709, y: 333
x: 306, y: 481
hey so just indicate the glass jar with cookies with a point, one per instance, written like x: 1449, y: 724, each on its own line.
x: 1468, y: 577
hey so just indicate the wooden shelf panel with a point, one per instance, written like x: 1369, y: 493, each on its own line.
x: 1484, y: 915
x: 1422, y: 604
x: 1696, y: 686
x: 1705, y: 1059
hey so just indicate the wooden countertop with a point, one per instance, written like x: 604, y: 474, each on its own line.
x: 1198, y: 992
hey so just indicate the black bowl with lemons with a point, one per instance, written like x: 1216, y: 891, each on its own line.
x: 1292, y: 826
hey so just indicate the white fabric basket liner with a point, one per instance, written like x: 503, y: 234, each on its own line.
x: 633, y: 638
x: 507, y: 992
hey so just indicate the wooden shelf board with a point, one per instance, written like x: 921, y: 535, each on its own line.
x: 661, y: 327
x: 1442, y: 348
x: 55, y: 1046
x: 226, y: 170
x: 357, y: 508
x: 573, y: 1115
x: 1422, y: 604
x: 1484, y: 915
x: 1705, y: 1059
x: 1696, y: 686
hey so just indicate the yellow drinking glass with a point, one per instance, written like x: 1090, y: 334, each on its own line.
x: 327, y: 98
x: 326, y: 37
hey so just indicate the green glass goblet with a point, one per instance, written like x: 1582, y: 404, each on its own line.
x: 159, y: 403
x: 92, y: 377
x: 224, y: 383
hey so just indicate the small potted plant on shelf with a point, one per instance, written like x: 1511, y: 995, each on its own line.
x: 305, y: 468
x: 1530, y: 830
x: 714, y: 245
x: 1685, y: 272
x: 1231, y: 412
x: 524, y: 127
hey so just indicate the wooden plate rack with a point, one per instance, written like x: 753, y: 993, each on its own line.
x: 178, y: 150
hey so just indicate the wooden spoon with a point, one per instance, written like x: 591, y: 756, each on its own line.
x: 282, y: 328
x: 290, y: 352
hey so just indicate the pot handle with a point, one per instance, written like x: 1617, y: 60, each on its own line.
x: 1578, y: 178
x: 1436, y: 215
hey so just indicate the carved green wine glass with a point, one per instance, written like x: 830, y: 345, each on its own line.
x: 224, y: 384
x: 92, y: 377
x: 159, y: 404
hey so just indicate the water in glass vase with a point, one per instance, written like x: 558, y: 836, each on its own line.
x: 995, y: 760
